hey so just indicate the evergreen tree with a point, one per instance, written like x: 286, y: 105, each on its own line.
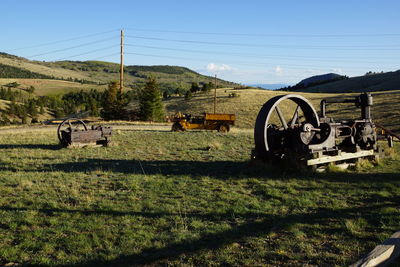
x: 195, y: 87
x: 151, y: 106
x: 12, y: 108
x: 31, y: 89
x: 207, y: 87
x: 165, y: 95
x: 188, y: 95
x: 41, y: 109
x: 24, y: 118
x: 31, y: 108
x: 92, y: 107
x: 114, y: 104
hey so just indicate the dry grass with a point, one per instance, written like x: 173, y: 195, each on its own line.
x: 386, y: 109
x: 36, y: 66
x: 51, y: 87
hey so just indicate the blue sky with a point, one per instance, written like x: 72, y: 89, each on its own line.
x: 242, y: 41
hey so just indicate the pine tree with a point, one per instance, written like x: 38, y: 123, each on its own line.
x: 31, y: 89
x: 151, y: 106
x: 31, y: 108
x: 188, y: 95
x: 114, y: 104
x: 207, y: 87
x: 41, y: 109
x: 92, y: 107
x: 195, y: 87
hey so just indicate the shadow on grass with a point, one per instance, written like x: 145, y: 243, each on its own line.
x: 214, y: 169
x: 30, y: 146
x: 116, y: 213
x: 256, y: 225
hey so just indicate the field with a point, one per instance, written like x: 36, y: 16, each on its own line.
x: 385, y: 111
x: 183, y: 199
x: 40, y: 67
x: 52, y: 87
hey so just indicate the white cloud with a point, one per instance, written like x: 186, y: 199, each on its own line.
x: 211, y: 67
x: 278, y: 70
x: 271, y: 75
x: 337, y: 70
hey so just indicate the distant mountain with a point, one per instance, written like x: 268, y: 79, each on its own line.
x: 270, y: 86
x: 332, y: 83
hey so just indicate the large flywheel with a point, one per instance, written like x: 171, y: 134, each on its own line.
x: 285, y: 123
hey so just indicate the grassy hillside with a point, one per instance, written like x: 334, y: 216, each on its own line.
x: 367, y: 83
x: 40, y: 67
x: 386, y: 109
x: 50, y: 86
x: 100, y: 72
x: 7, y: 71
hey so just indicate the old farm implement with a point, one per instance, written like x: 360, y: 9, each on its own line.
x: 315, y: 140
x: 75, y: 133
x: 208, y: 121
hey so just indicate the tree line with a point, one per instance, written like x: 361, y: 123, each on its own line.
x: 110, y: 104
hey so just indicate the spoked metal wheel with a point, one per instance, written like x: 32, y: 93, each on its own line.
x: 69, y: 125
x: 285, y: 123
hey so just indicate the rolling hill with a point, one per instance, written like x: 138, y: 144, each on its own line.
x: 97, y: 74
x: 370, y: 82
x: 320, y: 79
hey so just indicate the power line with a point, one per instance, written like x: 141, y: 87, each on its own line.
x: 109, y: 55
x: 245, y: 55
x: 291, y: 66
x: 86, y: 53
x: 61, y: 41
x: 271, y: 34
x: 397, y: 47
x: 72, y: 47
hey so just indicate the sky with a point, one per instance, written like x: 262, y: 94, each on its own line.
x: 249, y: 42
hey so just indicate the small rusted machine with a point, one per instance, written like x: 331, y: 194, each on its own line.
x: 208, y: 121
x: 313, y: 139
x: 74, y: 133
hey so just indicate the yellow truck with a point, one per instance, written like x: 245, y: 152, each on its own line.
x: 207, y: 121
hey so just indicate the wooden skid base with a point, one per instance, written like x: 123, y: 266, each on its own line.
x: 79, y: 145
x: 341, y: 157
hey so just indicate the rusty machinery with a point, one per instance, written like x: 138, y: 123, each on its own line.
x: 317, y: 140
x: 208, y: 121
x: 75, y: 133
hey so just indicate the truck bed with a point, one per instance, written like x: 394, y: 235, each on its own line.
x: 220, y: 117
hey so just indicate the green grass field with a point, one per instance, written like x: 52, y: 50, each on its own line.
x: 183, y: 199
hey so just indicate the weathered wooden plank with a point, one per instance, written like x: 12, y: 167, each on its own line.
x: 342, y: 156
x: 383, y: 254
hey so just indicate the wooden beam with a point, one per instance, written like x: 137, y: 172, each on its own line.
x: 121, y: 66
x: 342, y: 156
x: 383, y: 254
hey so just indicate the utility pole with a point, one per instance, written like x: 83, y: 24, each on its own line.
x: 121, y: 70
x: 215, y: 94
